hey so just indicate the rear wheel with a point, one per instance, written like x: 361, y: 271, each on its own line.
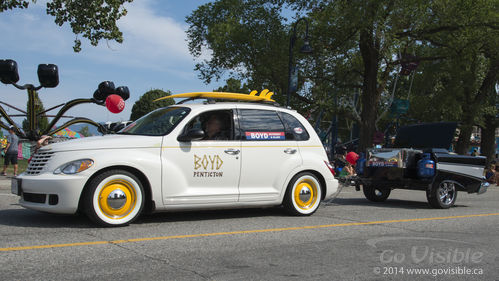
x: 442, y: 195
x: 375, y: 194
x: 114, y: 198
x: 303, y: 195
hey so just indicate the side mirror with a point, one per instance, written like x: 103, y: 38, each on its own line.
x: 48, y: 75
x: 123, y: 92
x: 192, y: 134
x: 8, y: 71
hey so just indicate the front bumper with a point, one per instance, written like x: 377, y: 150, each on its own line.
x: 52, y: 193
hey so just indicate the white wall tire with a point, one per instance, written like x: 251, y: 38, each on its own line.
x: 114, y: 198
x: 303, y: 195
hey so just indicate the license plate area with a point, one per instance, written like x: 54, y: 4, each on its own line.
x: 16, y: 186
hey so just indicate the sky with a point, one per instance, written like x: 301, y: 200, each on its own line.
x: 153, y: 55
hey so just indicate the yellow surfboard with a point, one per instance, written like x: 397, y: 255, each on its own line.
x: 265, y: 95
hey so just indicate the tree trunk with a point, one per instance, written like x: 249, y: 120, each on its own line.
x: 464, y: 141
x: 369, y: 48
x: 488, y: 140
x: 488, y: 95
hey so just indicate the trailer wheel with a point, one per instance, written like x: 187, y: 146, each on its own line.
x: 442, y: 195
x: 375, y: 194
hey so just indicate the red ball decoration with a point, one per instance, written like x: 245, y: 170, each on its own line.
x: 352, y: 157
x: 115, y: 103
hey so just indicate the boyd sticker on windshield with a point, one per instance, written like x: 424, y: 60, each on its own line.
x: 208, y: 166
x: 265, y: 135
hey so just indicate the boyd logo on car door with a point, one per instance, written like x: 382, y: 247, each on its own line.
x: 206, y: 170
x: 208, y: 166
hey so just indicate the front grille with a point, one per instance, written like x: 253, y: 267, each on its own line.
x: 38, y: 161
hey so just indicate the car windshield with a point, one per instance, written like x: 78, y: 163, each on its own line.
x: 157, y: 123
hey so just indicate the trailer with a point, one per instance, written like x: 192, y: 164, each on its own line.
x: 420, y: 160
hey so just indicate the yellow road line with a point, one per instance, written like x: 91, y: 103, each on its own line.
x: 9, y: 249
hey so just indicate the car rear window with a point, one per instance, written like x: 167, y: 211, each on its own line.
x: 294, y: 127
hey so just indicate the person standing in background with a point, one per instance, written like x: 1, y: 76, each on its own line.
x: 11, y: 151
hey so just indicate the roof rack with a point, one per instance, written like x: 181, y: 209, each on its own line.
x: 263, y: 97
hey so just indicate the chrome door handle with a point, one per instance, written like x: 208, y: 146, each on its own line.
x: 290, y: 150
x: 232, y: 151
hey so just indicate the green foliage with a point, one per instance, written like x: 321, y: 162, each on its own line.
x: 85, y: 131
x: 146, y: 104
x: 13, y: 4
x: 359, y: 47
x: 233, y: 86
x: 42, y: 121
x: 248, y: 42
x: 94, y: 20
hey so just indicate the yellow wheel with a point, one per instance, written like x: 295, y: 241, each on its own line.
x: 114, y: 198
x: 303, y: 195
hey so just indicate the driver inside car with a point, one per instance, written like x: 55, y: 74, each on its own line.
x: 214, y: 128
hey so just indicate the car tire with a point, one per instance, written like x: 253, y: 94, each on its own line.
x: 114, y: 198
x: 375, y: 194
x: 442, y: 194
x: 303, y: 195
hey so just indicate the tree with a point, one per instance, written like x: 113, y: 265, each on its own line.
x: 359, y: 47
x: 42, y: 121
x: 233, y: 86
x: 146, y: 104
x: 247, y: 41
x: 467, y: 33
x: 94, y: 20
x: 85, y: 131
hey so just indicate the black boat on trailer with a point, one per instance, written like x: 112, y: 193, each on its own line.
x: 419, y: 160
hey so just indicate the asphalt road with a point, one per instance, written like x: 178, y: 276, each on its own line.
x: 346, y: 239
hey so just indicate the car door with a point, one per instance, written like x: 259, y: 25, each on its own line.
x: 204, y: 171
x: 268, y: 155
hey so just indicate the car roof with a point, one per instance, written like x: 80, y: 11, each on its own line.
x: 229, y: 105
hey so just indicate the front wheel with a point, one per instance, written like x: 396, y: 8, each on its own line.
x: 375, y: 194
x: 114, y: 198
x: 303, y: 194
x: 442, y: 195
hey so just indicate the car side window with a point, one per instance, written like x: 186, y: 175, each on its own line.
x: 217, y: 125
x: 261, y: 125
x: 294, y: 127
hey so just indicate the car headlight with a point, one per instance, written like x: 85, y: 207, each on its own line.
x: 74, y: 167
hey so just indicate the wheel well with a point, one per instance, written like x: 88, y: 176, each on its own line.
x: 148, y: 203
x: 321, y: 180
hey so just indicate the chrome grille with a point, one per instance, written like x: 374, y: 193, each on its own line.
x: 38, y: 161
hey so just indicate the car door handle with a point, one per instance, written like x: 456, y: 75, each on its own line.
x: 232, y: 151
x: 290, y: 150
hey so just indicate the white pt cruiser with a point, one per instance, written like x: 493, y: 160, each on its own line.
x: 184, y: 157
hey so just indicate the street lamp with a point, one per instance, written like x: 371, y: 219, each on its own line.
x: 305, y: 49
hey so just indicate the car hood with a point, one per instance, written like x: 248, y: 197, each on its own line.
x: 429, y: 135
x: 106, y: 142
